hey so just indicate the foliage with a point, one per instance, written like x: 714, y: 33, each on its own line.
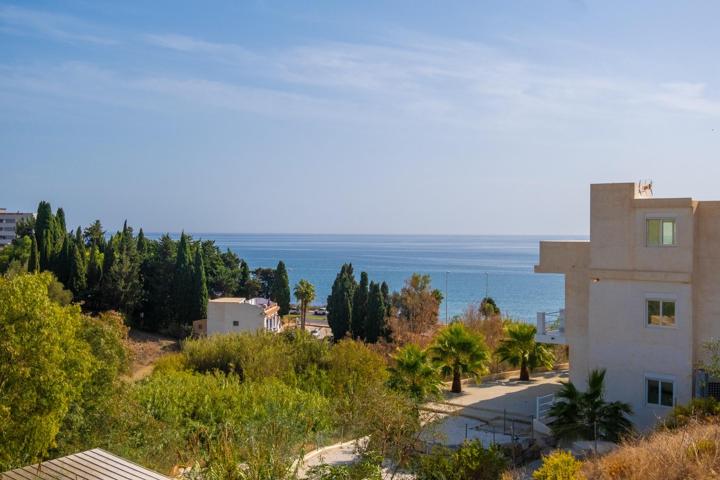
x: 491, y: 327
x: 281, y: 288
x: 582, y: 415
x: 44, y: 364
x: 305, y: 293
x: 414, y: 374
x: 712, y: 348
x: 375, y: 325
x: 360, y: 308
x: 458, y: 352
x: 199, y: 292
x: 488, y: 307
x: 519, y: 348
x: 417, y: 304
x: 339, y: 302
x: 559, y: 465
x: 470, y: 462
x: 367, y: 468
x: 19, y: 252
x: 698, y: 410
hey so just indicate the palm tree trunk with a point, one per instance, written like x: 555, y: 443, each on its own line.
x: 456, y: 384
x: 302, y: 316
x: 524, y: 372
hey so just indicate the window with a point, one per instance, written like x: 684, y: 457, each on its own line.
x: 660, y: 392
x: 236, y: 323
x: 660, y: 232
x: 661, y: 313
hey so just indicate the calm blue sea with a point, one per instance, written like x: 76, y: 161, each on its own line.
x: 468, y: 262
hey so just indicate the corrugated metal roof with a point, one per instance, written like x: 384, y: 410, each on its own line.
x: 96, y: 464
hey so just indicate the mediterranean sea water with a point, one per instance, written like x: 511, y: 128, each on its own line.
x: 502, y: 264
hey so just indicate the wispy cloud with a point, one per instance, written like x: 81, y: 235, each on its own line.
x: 59, y: 27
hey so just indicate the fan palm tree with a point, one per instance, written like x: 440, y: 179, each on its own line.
x: 304, y: 293
x: 519, y: 348
x: 414, y: 374
x: 457, y: 351
x: 586, y: 415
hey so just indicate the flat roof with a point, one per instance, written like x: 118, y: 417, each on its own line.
x: 228, y: 300
x: 96, y: 464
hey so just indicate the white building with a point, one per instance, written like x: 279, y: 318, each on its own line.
x: 8, y: 221
x: 233, y: 315
x: 641, y: 297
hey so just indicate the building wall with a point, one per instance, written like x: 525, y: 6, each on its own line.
x: 706, y: 276
x: 621, y: 342
x: 8, y: 221
x: 221, y: 316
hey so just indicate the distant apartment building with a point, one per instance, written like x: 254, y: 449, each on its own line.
x: 641, y: 297
x: 233, y: 315
x: 8, y: 221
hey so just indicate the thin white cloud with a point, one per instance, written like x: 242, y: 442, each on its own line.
x: 59, y: 27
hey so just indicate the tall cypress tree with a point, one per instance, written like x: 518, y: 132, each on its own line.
x: 34, y: 260
x: 375, y: 325
x: 76, y: 276
x: 281, y: 288
x: 385, y: 290
x: 142, y: 244
x: 44, y: 235
x: 62, y: 260
x: 93, y: 274
x: 244, y: 279
x: 199, y: 298
x: 360, y: 308
x: 339, y: 302
x: 60, y: 221
x: 80, y: 242
x: 183, y: 283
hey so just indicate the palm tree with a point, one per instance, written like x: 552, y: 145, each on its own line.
x: 304, y: 293
x: 414, y: 374
x: 519, y: 348
x: 586, y: 415
x: 457, y: 351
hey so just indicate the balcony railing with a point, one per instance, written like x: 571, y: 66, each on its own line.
x: 551, y: 327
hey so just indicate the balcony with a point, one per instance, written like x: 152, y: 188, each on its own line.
x: 551, y: 327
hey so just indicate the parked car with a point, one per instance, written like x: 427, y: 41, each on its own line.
x: 320, y: 311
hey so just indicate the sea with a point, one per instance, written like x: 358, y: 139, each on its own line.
x: 464, y: 268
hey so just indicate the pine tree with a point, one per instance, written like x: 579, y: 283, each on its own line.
x: 199, y: 298
x: 360, y: 308
x: 44, y: 235
x: 281, y: 288
x: 34, y: 260
x: 375, y: 325
x: 339, y: 302
x: 76, y: 276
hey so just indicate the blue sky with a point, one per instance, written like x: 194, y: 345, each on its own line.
x: 354, y: 117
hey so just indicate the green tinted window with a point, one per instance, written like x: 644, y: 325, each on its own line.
x: 660, y: 232
x: 661, y: 313
x: 653, y: 232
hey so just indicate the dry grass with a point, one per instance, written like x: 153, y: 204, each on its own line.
x: 691, y: 452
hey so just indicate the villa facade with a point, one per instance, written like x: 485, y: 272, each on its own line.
x: 234, y: 315
x: 642, y: 296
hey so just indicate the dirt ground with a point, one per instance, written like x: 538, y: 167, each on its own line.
x: 146, y: 349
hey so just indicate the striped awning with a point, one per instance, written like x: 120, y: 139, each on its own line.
x: 93, y: 464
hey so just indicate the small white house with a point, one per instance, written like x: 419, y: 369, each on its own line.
x: 234, y: 314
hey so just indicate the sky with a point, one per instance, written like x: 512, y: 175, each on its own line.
x: 395, y: 117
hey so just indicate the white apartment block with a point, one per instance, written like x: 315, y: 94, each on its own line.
x: 641, y: 297
x: 234, y: 315
x: 8, y: 220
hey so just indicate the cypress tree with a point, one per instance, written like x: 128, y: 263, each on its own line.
x: 281, y: 288
x: 76, y: 276
x: 142, y: 244
x: 44, y: 235
x: 183, y: 283
x: 375, y: 325
x: 199, y: 297
x: 61, y: 263
x: 385, y: 290
x: 360, y: 308
x: 244, y: 278
x: 94, y: 270
x: 339, y: 302
x: 80, y: 243
x: 60, y: 221
x: 34, y: 260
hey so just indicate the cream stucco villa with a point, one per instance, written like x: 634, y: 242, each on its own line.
x: 641, y: 297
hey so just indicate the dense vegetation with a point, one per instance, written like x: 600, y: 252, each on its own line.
x: 159, y: 285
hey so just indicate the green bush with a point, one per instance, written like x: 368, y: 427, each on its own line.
x: 470, y: 462
x: 559, y: 465
x: 699, y: 409
x: 368, y: 468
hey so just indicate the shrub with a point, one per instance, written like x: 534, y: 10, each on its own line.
x: 559, y: 465
x: 470, y: 462
x: 699, y: 409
